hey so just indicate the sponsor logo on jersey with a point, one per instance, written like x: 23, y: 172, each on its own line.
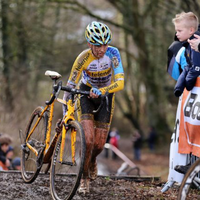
x: 104, y: 65
x: 99, y: 74
x: 74, y: 76
x: 115, y: 62
x: 113, y: 87
x: 80, y: 64
x: 92, y: 67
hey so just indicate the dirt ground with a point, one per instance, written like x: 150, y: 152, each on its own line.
x: 106, y: 187
x: 12, y: 187
x: 154, y: 164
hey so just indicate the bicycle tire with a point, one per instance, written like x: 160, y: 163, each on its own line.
x: 30, y: 167
x: 65, y: 177
x: 188, y: 180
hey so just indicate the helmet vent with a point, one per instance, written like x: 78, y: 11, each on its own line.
x: 98, y: 33
x: 97, y: 30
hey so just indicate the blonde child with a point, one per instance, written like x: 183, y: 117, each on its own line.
x: 186, y: 24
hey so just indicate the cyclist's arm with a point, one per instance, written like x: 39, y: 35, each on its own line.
x: 118, y: 83
x: 75, y: 74
x: 76, y: 71
x: 116, y: 86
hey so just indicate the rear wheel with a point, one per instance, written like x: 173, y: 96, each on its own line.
x: 191, y: 180
x: 65, y: 175
x: 31, y: 164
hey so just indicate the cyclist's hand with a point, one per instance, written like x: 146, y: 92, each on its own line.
x: 95, y: 93
x: 59, y: 126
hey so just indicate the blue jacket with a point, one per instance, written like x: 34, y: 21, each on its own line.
x: 189, y: 61
x: 176, y: 59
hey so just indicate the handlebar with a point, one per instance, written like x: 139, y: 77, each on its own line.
x: 77, y: 91
x: 58, y: 87
x: 56, y: 91
x: 73, y: 91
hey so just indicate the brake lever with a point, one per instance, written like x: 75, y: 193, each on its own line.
x: 103, y: 98
x: 98, y: 109
x: 59, y: 85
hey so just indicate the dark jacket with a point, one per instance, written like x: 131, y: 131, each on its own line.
x: 2, y: 156
x: 189, y: 74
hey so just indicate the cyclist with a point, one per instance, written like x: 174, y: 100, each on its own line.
x: 99, y: 69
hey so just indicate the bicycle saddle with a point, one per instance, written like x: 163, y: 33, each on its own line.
x: 52, y: 74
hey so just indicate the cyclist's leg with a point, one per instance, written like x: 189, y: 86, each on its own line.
x: 86, y: 118
x: 99, y: 142
x: 88, y: 127
x: 102, y: 126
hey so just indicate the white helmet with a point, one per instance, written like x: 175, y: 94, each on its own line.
x: 98, y: 33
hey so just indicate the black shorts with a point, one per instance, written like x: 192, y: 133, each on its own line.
x: 88, y: 105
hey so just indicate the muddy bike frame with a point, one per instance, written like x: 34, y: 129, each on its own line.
x: 69, y: 115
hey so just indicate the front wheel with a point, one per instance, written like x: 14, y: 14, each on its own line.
x: 190, y: 180
x: 31, y: 164
x: 67, y: 164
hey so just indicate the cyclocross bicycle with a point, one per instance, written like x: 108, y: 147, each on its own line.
x: 64, y: 152
x: 190, y: 180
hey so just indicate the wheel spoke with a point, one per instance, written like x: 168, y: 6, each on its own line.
x: 31, y: 164
x: 65, y: 175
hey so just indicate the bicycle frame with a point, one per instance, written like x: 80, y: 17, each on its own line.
x: 69, y: 115
x: 50, y: 147
x: 29, y: 146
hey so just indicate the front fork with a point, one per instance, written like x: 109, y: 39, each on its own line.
x: 63, y: 143
x: 69, y: 116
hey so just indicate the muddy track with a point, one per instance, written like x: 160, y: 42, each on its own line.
x: 107, y: 188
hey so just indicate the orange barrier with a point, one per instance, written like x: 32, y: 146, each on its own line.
x: 3, y: 166
x: 189, y: 136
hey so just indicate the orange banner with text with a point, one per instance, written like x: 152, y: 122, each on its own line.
x: 189, y: 136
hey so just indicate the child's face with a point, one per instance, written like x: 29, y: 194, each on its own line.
x: 182, y: 32
x: 4, y: 147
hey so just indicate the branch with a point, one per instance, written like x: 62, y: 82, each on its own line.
x: 84, y: 10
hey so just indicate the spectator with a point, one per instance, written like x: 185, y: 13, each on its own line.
x: 137, y: 145
x: 5, y: 141
x: 10, y: 153
x: 16, y: 163
x: 114, y: 137
x: 152, y: 138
